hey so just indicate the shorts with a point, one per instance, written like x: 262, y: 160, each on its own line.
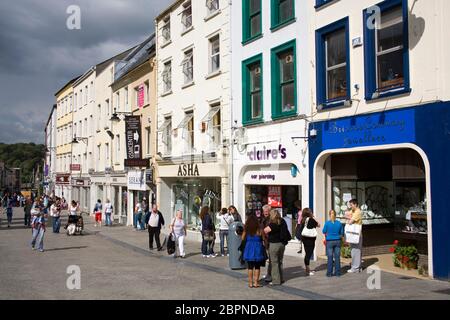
x: 254, y: 265
x: 98, y: 217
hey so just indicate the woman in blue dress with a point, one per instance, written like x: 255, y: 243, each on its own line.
x: 254, y: 251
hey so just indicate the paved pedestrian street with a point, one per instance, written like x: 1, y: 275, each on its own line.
x: 115, y: 263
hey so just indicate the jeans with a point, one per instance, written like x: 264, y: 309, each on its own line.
x: 38, y: 237
x: 27, y: 219
x: 138, y: 220
x: 334, y: 255
x: 206, y: 247
x: 223, y: 234
x: 56, y: 224
x: 276, y: 254
x: 108, y: 219
x: 134, y: 220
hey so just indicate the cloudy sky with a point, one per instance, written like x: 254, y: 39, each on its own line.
x: 39, y: 54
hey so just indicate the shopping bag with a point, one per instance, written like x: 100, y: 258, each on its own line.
x: 352, y: 233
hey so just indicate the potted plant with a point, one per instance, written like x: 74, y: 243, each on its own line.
x: 406, y: 257
x: 346, y: 250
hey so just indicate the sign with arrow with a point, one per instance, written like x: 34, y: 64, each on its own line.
x: 133, y: 136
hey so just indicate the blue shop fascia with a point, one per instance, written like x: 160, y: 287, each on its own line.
x: 396, y: 164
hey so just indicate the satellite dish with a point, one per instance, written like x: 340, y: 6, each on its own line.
x: 240, y: 139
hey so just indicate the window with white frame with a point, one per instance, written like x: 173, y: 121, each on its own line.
x: 148, y: 140
x: 211, y: 123
x: 187, y: 128
x: 80, y: 128
x: 166, y: 134
x: 212, y: 6
x: 165, y: 30
x: 91, y: 125
x: 214, y: 45
x: 99, y: 113
x: 81, y: 99
x: 188, y: 66
x: 186, y: 15
x: 91, y: 91
x: 85, y: 127
x: 147, y: 92
x: 167, y: 76
x: 75, y: 101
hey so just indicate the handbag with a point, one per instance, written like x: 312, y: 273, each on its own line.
x: 298, y: 232
x: 208, y: 235
x: 309, y: 233
x: 353, y: 233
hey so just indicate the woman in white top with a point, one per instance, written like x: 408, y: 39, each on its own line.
x: 108, y: 212
x: 179, y: 229
x: 74, y: 209
x: 225, y: 219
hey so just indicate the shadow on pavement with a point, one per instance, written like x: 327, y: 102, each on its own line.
x: 67, y: 248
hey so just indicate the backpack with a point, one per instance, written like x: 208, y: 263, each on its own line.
x: 285, y: 235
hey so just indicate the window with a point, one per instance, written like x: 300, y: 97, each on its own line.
x: 212, y: 6
x: 147, y: 92
x: 91, y: 91
x: 107, y: 107
x: 118, y: 100
x: 187, y: 127
x: 75, y: 101
x: 387, y: 51
x: 284, y: 82
x: 167, y: 76
x: 91, y: 125
x: 252, y: 80
x: 165, y: 30
x: 71, y: 103
x: 85, y: 127
x: 148, y: 140
x: 333, y: 64
x: 188, y: 67
x: 126, y: 98
x: 81, y: 99
x: 252, y: 19
x: 214, y: 44
x: 283, y: 11
x: 107, y: 151
x: 320, y: 3
x: 166, y: 132
x: 212, y: 121
x: 80, y: 128
x: 186, y: 16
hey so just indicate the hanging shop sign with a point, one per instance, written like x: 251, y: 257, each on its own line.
x: 274, y: 197
x: 141, y: 92
x: 75, y: 167
x: 149, y: 176
x: 136, y: 181
x: 80, y: 182
x: 133, y: 137
x: 188, y: 170
x: 63, y: 179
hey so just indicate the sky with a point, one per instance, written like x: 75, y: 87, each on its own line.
x: 39, y: 54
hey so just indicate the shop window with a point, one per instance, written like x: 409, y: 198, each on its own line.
x: 284, y: 81
x: 283, y: 12
x: 252, y: 80
x: 333, y: 64
x: 387, y: 50
x: 252, y: 20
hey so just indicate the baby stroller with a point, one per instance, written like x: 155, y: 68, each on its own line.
x: 75, y: 225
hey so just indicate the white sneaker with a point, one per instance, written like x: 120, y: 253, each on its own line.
x: 205, y: 256
x: 211, y: 256
x: 311, y: 273
x: 353, y: 271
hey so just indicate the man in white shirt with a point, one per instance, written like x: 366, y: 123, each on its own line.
x: 155, y: 222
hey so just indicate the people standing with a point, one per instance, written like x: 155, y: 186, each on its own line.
x: 145, y: 210
x: 264, y: 221
x: 38, y: 226
x: 334, y: 232
x: 27, y: 212
x: 207, y: 233
x: 138, y: 216
x: 98, y: 213
x: 236, y: 216
x: 179, y: 230
x: 354, y: 216
x: 276, y: 231
x: 155, y: 223
x: 308, y: 225
x: 108, y: 212
x: 254, y: 252
x: 9, y: 210
x: 225, y: 220
x: 55, y: 212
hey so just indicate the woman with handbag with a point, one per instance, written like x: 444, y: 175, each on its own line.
x: 225, y: 220
x: 254, y: 252
x: 309, y: 227
x: 179, y: 230
x: 355, y: 218
x: 207, y: 233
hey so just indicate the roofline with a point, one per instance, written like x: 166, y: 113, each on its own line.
x: 169, y: 9
x: 67, y: 85
x: 84, y: 76
x: 152, y: 55
x: 50, y: 116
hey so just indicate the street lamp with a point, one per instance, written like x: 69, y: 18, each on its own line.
x: 115, y: 115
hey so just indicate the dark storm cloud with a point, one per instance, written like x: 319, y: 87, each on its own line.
x: 38, y: 54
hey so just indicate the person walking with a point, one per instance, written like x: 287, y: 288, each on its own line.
x: 98, y: 213
x: 9, y: 210
x: 155, y: 223
x: 254, y: 252
x: 27, y: 212
x: 236, y: 216
x: 225, y: 220
x: 277, y: 231
x: 179, y: 230
x: 145, y: 210
x: 138, y: 217
x: 207, y: 233
x: 264, y: 222
x: 334, y: 232
x: 108, y: 212
x: 354, y: 216
x: 38, y: 226
x: 55, y: 213
x: 308, y: 225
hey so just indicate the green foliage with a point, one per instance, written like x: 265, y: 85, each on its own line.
x: 405, y: 256
x: 346, y: 251
x: 25, y: 156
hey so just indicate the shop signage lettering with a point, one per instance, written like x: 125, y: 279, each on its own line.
x: 133, y: 137
x: 212, y: 194
x: 263, y: 177
x: 136, y: 180
x: 267, y: 153
x: 188, y: 170
x: 378, y: 129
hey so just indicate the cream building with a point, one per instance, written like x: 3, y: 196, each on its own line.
x: 193, y: 59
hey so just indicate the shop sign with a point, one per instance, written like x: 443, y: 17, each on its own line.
x: 188, y: 170
x: 136, y: 180
x: 63, y: 179
x: 75, y: 167
x: 377, y: 129
x: 267, y: 153
x: 274, y: 197
x: 261, y: 177
x: 149, y: 176
x: 80, y: 182
x: 141, y: 96
x: 133, y: 137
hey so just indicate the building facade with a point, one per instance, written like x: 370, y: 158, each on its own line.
x: 50, y: 155
x: 194, y: 102
x: 381, y: 121
x: 271, y: 90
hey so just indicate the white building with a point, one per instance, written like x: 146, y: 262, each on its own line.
x: 83, y: 138
x: 271, y: 99
x: 50, y: 156
x: 193, y: 63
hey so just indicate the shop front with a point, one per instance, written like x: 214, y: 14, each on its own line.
x: 81, y: 192
x: 189, y: 187
x: 139, y: 187
x: 391, y: 163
